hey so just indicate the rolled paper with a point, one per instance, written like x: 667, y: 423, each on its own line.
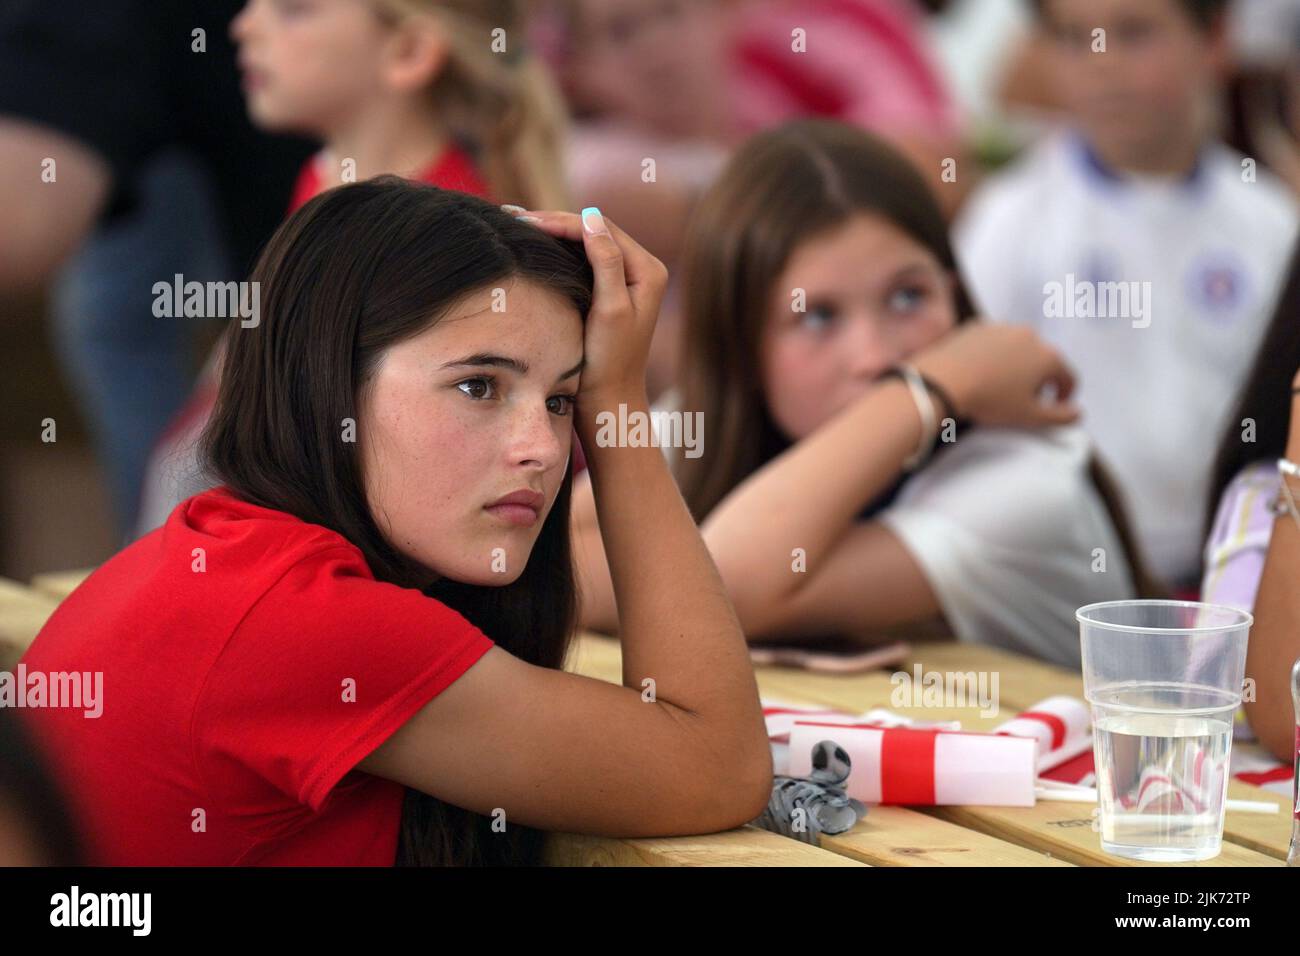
x: 915, y: 767
x: 781, y: 717
x: 1061, y: 725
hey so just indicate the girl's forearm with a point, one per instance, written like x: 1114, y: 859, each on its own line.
x: 676, y: 624
x: 809, y: 496
x: 1274, y: 641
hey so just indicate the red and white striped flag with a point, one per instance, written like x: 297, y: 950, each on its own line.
x: 910, y: 766
x: 1061, y: 725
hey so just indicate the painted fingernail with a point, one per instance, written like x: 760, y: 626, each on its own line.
x: 513, y: 210
x: 528, y: 218
x: 593, y: 221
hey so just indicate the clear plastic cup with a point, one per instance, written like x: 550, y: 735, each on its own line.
x: 1164, y: 679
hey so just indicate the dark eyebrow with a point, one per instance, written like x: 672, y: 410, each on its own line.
x: 486, y: 358
x: 502, y: 361
x: 582, y: 363
x: 915, y: 268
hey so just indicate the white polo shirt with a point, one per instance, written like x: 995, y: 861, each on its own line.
x: 1058, y: 242
x: 1011, y: 534
x: 1013, y: 538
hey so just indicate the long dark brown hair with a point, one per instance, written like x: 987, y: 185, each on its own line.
x: 1265, y: 398
x: 353, y: 272
x: 782, y: 188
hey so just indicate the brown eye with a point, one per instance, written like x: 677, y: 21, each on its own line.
x: 560, y: 404
x: 476, y: 388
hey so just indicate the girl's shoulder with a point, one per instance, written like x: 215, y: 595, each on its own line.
x: 1245, y: 507
x: 1008, y: 450
x: 992, y: 475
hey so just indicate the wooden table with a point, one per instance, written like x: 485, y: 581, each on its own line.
x: 1050, y: 834
x: 23, y: 612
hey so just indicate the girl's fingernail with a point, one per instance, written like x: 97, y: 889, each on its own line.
x: 528, y: 218
x: 593, y: 221
x: 513, y: 210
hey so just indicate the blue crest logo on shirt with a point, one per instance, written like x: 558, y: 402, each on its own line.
x: 1217, y: 284
x: 1099, y: 267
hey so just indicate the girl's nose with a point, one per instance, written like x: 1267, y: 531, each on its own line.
x: 539, y: 441
x: 870, y: 351
x: 240, y: 24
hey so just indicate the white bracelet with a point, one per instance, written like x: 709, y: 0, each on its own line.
x: 925, y: 408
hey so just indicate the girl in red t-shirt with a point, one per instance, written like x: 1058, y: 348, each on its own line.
x: 349, y: 652
x: 441, y: 92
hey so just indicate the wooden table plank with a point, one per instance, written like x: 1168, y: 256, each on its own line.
x: 1065, y: 830
x: 60, y: 584
x: 889, y: 836
x: 1021, y: 684
x: 1265, y: 833
x: 746, y: 846
x: 897, y: 836
x: 1022, y: 681
x: 23, y: 612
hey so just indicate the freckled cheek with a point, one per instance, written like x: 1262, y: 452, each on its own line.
x: 555, y: 474
x: 455, y: 455
x: 430, y: 455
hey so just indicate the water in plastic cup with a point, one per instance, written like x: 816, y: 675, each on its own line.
x: 1164, y: 680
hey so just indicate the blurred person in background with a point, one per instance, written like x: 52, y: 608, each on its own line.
x: 129, y: 370
x: 647, y: 82
x: 683, y: 82
x: 1139, y: 246
x: 1264, y: 93
x: 864, y: 62
x: 125, y: 159
x: 103, y: 89
x: 818, y: 269
x: 1260, y: 115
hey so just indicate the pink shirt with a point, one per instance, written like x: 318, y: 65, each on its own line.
x: 864, y: 62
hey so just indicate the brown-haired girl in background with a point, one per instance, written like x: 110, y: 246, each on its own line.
x: 828, y: 337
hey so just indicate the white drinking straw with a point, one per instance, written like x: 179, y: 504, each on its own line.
x: 1071, y: 793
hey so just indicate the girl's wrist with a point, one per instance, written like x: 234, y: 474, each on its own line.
x: 595, y: 408
x: 927, y: 420
x: 947, y: 388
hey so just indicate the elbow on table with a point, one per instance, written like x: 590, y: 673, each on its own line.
x: 754, y: 784
x: 734, y: 798
x: 724, y: 783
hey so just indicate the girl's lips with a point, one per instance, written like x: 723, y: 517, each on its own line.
x: 253, y: 79
x: 520, y: 515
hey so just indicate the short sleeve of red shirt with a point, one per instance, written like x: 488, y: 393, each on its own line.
x: 321, y: 670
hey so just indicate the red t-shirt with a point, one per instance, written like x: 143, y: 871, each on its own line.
x: 248, y: 689
x: 452, y: 170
